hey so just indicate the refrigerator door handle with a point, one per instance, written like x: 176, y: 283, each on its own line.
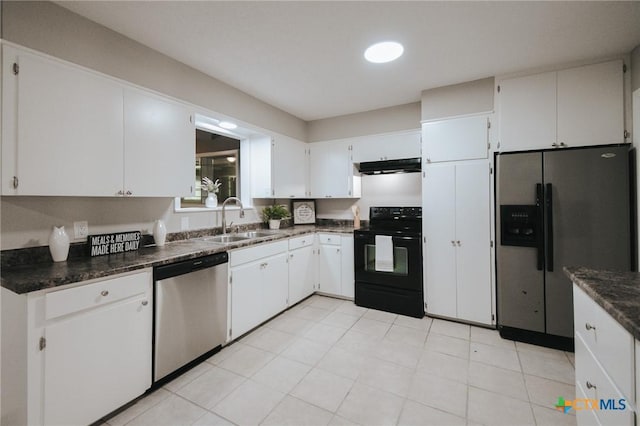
x: 538, y: 230
x: 549, y: 236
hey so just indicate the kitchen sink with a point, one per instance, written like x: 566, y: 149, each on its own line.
x: 256, y: 234
x: 222, y: 239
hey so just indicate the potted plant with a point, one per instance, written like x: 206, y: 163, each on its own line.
x: 212, y: 189
x: 274, y: 214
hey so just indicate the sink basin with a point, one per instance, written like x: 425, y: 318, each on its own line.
x: 256, y: 234
x: 224, y: 238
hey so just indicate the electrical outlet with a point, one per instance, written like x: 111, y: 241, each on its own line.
x: 81, y: 229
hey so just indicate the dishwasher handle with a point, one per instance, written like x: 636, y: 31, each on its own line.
x: 187, y: 266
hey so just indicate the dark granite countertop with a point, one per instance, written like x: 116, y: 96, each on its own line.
x: 28, y: 278
x: 617, y: 292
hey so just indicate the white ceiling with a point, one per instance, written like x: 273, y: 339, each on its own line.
x: 305, y: 57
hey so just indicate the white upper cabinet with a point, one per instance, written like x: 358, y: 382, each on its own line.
x: 528, y: 112
x: 456, y: 139
x: 290, y: 167
x: 159, y: 146
x: 62, y: 129
x: 279, y: 167
x: 574, y: 107
x: 391, y: 146
x: 332, y: 173
x: 69, y: 131
x: 590, y: 105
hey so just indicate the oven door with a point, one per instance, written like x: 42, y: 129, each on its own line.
x: 407, y: 261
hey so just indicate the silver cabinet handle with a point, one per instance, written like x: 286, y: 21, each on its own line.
x: 563, y: 144
x: 458, y: 242
x: 589, y: 326
x: 129, y: 193
x: 555, y: 145
x: 145, y: 302
x: 121, y: 192
x: 453, y: 243
x: 591, y: 385
x: 291, y: 256
x: 104, y: 293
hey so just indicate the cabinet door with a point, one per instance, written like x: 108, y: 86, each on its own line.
x: 275, y: 285
x: 591, y: 105
x: 290, y: 168
x: 159, y: 146
x: 456, y: 139
x: 346, y: 263
x: 329, y: 170
x: 260, y: 160
x: 473, y: 255
x: 302, y: 273
x: 97, y: 361
x: 386, y: 147
x: 69, y: 129
x: 330, y: 269
x: 439, y: 255
x: 528, y: 112
x: 246, y: 298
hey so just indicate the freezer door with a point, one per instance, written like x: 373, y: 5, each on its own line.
x: 520, y: 285
x: 589, y: 218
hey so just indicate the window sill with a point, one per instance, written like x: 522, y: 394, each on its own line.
x: 177, y: 208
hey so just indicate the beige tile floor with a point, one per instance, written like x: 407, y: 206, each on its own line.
x: 329, y: 362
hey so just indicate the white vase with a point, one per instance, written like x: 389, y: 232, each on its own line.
x: 59, y: 244
x: 159, y: 233
x: 274, y: 223
x: 211, y: 201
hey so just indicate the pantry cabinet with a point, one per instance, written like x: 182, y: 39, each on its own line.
x: 335, y: 265
x: 456, y: 139
x: 87, y: 349
x: 392, y: 146
x: 332, y: 173
x: 302, y: 267
x: 574, y: 107
x: 259, y: 285
x: 456, y: 226
x: 279, y: 167
x: 70, y: 131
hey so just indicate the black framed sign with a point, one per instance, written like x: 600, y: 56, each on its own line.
x: 304, y: 212
x: 118, y: 242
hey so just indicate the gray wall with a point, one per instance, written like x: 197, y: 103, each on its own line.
x: 385, y: 120
x: 52, y: 29
x: 459, y: 99
x: 635, y: 69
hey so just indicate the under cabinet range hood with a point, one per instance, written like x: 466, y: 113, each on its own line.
x: 405, y: 165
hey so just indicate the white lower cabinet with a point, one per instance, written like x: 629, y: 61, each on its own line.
x: 302, y: 267
x: 258, y: 285
x: 335, y: 265
x: 604, y: 363
x: 88, y: 350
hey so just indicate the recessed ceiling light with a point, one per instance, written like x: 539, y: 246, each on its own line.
x: 227, y: 125
x: 385, y: 51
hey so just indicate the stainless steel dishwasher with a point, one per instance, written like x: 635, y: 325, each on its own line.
x: 190, y: 312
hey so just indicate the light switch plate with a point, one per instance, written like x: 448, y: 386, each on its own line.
x: 81, y: 229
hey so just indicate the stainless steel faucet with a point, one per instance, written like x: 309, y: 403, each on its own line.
x: 224, y: 217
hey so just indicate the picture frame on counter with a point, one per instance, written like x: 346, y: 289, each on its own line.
x: 304, y: 212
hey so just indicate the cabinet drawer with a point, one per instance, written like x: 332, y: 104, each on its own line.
x: 596, y: 385
x: 302, y: 241
x: 332, y: 239
x: 244, y: 255
x: 88, y: 296
x: 611, y: 344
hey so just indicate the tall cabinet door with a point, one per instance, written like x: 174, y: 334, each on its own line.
x: 275, y: 285
x: 290, y: 168
x: 473, y: 242
x: 329, y: 167
x: 66, y: 143
x: 330, y: 269
x: 439, y: 255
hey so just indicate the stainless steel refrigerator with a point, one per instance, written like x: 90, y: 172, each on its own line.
x: 553, y: 209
